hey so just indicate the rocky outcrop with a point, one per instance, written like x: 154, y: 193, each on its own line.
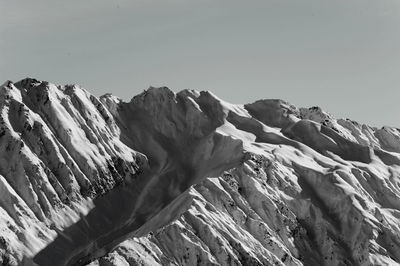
x: 188, y: 179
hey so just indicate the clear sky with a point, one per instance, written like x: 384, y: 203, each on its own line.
x: 343, y: 55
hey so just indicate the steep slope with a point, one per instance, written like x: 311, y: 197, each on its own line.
x: 182, y: 146
x: 59, y: 149
x: 203, y: 182
x: 309, y: 194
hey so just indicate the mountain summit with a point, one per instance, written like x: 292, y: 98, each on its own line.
x: 189, y: 179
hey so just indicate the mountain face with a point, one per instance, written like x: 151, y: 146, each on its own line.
x: 189, y: 179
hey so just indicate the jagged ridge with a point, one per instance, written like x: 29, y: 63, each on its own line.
x: 258, y: 184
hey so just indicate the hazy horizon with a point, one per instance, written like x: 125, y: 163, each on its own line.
x: 340, y: 55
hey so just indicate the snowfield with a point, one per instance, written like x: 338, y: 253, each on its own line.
x: 189, y: 179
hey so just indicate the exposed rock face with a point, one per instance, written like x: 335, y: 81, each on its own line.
x: 188, y: 179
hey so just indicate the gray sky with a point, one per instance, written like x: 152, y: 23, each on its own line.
x: 343, y: 55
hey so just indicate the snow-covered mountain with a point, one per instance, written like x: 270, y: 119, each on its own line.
x: 189, y: 179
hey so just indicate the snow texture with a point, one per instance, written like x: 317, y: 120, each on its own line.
x: 189, y: 179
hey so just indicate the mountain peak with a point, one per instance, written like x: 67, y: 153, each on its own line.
x: 189, y: 179
x: 7, y: 83
x: 155, y: 93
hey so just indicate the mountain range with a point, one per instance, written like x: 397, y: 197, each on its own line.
x: 189, y: 179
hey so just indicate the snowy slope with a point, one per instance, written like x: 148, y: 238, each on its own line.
x: 203, y: 181
x: 308, y: 193
x: 60, y: 148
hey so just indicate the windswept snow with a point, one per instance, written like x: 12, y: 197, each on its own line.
x: 189, y: 179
